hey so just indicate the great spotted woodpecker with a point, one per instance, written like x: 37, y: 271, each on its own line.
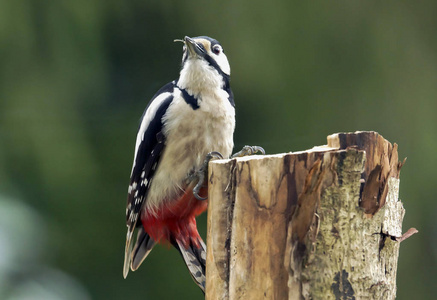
x: 186, y: 120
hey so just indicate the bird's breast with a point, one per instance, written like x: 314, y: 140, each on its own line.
x: 190, y: 135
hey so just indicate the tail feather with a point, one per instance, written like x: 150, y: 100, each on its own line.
x: 142, y: 248
x: 136, y: 254
x: 195, y: 259
x: 127, y: 255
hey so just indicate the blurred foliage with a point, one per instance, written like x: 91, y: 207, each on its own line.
x: 75, y: 77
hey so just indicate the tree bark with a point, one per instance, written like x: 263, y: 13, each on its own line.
x: 325, y: 223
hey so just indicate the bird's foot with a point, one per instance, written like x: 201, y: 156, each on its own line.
x: 202, y: 173
x: 249, y: 150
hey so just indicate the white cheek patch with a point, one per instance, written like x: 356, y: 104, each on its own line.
x: 223, y: 63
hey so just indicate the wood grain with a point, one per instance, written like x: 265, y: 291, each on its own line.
x: 317, y: 224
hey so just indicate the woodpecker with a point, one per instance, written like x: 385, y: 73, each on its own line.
x: 188, y: 122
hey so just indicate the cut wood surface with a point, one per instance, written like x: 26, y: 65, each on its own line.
x: 325, y: 223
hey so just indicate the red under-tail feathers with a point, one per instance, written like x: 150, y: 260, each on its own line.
x: 176, y: 220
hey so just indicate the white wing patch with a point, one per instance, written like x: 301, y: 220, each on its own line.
x: 148, y: 117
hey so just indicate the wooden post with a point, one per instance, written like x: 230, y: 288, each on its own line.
x: 319, y: 224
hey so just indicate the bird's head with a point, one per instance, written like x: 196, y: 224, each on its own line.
x: 203, y: 63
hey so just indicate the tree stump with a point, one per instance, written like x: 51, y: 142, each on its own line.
x: 325, y: 223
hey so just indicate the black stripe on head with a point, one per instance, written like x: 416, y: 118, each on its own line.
x: 213, y: 63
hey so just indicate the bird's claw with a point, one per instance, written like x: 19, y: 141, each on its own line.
x: 249, y: 150
x: 211, y: 155
x: 202, y: 173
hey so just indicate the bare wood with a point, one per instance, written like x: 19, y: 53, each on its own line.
x: 320, y: 224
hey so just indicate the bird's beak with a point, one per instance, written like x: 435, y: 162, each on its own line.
x: 194, y: 48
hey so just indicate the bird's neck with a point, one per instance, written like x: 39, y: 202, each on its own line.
x: 199, y: 78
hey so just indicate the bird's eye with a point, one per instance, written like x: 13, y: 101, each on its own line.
x: 216, y: 50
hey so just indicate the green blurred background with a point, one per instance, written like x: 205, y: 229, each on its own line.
x: 75, y: 77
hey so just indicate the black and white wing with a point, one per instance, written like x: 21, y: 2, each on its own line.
x: 149, y: 146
